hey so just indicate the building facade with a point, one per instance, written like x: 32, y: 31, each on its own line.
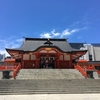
x: 46, y: 53
x: 93, y: 52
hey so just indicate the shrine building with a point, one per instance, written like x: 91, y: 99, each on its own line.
x: 36, y: 53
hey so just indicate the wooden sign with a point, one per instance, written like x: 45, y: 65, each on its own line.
x: 48, y: 49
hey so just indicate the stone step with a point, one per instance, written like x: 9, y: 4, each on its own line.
x: 57, y: 86
x: 49, y: 74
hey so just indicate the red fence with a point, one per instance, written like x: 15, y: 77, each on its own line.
x: 7, y: 68
x: 83, y: 66
x: 16, y: 70
x: 82, y: 70
x: 29, y: 64
x: 64, y: 65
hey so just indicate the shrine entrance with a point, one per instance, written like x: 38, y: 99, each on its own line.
x: 47, y: 62
x: 47, y: 58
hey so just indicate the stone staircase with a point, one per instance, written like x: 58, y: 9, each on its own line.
x: 49, y: 74
x: 49, y: 86
x: 49, y: 81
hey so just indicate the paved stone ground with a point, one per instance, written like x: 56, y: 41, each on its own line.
x: 52, y: 97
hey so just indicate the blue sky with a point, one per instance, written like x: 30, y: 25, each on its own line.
x: 77, y: 20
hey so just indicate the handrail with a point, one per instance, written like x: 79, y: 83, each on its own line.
x: 16, y: 70
x: 82, y: 70
x: 6, y: 68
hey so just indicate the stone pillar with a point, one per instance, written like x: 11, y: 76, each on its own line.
x: 92, y: 52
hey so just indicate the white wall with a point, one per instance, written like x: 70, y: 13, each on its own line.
x: 92, y: 50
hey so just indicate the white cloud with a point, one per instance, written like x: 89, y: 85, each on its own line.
x: 49, y: 34
x: 45, y: 35
x: 74, y: 30
x: 65, y: 33
x: 9, y: 43
x: 19, y: 40
x: 4, y: 52
x: 53, y: 33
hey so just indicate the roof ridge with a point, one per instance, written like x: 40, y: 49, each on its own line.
x: 45, y: 39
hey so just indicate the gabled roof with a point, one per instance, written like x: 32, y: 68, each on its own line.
x: 76, y: 45
x: 33, y: 44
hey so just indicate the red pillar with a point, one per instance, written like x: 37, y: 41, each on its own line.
x: 70, y: 60
x: 37, y: 61
x: 22, y: 63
